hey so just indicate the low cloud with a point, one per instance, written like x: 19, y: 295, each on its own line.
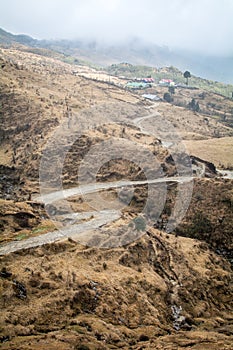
x: 200, y: 25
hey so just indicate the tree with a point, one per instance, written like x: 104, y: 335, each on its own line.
x: 193, y: 105
x: 167, y: 97
x: 171, y: 89
x: 187, y: 75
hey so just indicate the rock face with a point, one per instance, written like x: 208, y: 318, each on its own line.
x: 161, y: 291
x: 18, y: 219
x: 10, y: 181
x: 209, y: 217
x: 204, y: 168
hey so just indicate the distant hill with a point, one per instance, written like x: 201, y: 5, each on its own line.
x: 9, y: 39
x: 135, y: 52
x: 130, y: 71
x: 39, y: 47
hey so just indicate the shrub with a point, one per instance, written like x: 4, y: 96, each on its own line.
x: 167, y: 97
x: 171, y: 89
x: 201, y: 224
x: 193, y: 105
x: 82, y: 347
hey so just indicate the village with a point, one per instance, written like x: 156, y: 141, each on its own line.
x: 144, y: 86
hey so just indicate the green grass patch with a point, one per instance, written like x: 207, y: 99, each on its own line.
x: 21, y: 237
x: 43, y: 229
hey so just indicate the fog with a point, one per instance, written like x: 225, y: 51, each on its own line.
x: 205, y: 26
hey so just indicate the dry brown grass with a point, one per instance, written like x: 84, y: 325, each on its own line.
x: 218, y: 151
x: 111, y: 298
x: 5, y: 156
x: 192, y: 126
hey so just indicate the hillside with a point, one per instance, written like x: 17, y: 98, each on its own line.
x: 87, y: 257
x: 136, y: 52
x: 145, y: 294
x: 7, y: 38
x: 131, y: 71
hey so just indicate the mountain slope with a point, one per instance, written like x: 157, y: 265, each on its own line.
x: 135, y: 52
x: 158, y: 293
x: 8, y: 39
x: 161, y: 291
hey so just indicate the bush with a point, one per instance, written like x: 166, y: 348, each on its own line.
x: 82, y: 347
x: 171, y: 89
x: 193, y: 105
x: 167, y: 97
x: 201, y: 224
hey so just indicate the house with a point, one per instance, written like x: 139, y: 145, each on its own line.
x: 148, y: 80
x: 151, y: 97
x: 145, y: 80
x: 166, y: 82
x: 137, y: 85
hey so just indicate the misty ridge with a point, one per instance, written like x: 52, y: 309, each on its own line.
x: 136, y: 51
x: 139, y: 52
x: 190, y: 35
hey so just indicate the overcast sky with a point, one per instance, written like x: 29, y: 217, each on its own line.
x: 203, y: 25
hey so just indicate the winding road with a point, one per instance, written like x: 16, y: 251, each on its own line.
x: 226, y: 174
x: 94, y: 219
x: 99, y: 186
